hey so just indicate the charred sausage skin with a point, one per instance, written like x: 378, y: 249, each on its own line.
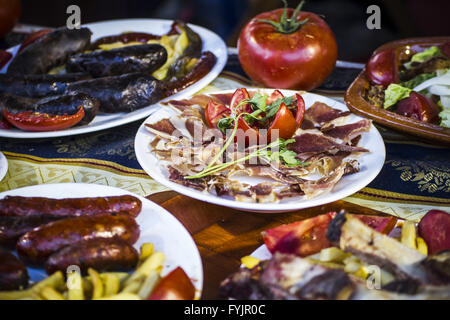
x: 70, y: 207
x: 13, y: 272
x: 37, y: 245
x: 99, y: 254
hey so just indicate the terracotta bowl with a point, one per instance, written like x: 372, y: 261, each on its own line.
x: 354, y: 98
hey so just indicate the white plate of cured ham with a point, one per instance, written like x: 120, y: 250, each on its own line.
x: 335, y: 154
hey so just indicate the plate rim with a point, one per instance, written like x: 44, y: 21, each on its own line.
x: 250, y: 206
x: 140, y: 113
x: 3, y: 166
x: 199, y: 278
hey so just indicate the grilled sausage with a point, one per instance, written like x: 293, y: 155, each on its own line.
x: 144, y: 58
x: 12, y: 228
x: 53, y: 105
x: 50, y: 50
x: 70, y: 207
x: 124, y: 93
x: 99, y: 254
x: 37, y: 245
x: 39, y: 85
x: 13, y: 273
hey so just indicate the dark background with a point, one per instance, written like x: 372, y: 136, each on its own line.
x: 347, y: 18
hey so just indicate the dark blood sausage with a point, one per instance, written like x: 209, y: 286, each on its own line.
x: 144, y: 58
x: 38, y: 244
x: 201, y: 69
x: 70, y: 207
x: 38, y: 85
x: 99, y: 254
x: 12, y: 228
x: 13, y: 272
x: 124, y: 93
x: 53, y: 105
x: 126, y: 37
x: 50, y: 50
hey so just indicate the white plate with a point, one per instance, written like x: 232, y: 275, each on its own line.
x: 3, y: 166
x: 211, y: 42
x: 370, y: 165
x: 156, y: 224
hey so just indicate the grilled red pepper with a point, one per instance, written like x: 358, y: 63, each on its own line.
x: 32, y: 37
x: 35, y: 121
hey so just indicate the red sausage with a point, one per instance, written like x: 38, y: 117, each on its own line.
x: 70, y: 207
x: 13, y: 273
x: 35, y: 246
x: 99, y: 254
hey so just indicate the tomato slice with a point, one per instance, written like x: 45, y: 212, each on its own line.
x: 236, y: 99
x: 382, y: 67
x: 302, y: 238
x: 274, y: 97
x: 214, y: 112
x: 38, y: 122
x: 175, y: 286
x: 5, y: 56
x: 32, y: 37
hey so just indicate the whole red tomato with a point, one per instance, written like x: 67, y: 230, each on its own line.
x: 289, y: 49
x: 9, y: 15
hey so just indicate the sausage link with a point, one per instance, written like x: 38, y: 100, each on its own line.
x: 70, y: 207
x: 35, y: 246
x: 13, y: 272
x: 11, y: 228
x: 99, y: 254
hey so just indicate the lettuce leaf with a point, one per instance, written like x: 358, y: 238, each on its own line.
x: 445, y: 118
x: 423, y: 56
x: 414, y: 82
x: 395, y: 93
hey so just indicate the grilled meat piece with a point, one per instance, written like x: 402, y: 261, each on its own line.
x: 99, y: 254
x: 352, y: 235
x: 144, y: 58
x: 69, y: 207
x: 38, y: 244
x: 13, y: 273
x: 39, y: 85
x: 124, y: 93
x: 12, y: 228
x: 52, y: 105
x: 50, y: 50
x: 287, y: 276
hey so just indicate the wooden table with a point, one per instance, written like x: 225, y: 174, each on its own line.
x: 224, y: 235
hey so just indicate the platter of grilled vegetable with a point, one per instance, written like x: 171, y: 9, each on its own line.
x: 84, y: 241
x: 405, y: 85
x: 64, y: 82
x: 347, y: 256
x: 261, y: 150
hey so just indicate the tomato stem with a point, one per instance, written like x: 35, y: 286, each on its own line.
x: 287, y: 25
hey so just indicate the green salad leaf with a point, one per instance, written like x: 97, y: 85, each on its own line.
x: 445, y: 118
x: 395, y: 93
x: 414, y: 82
x: 423, y: 56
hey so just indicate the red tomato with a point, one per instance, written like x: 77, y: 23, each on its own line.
x: 418, y: 107
x: 214, y: 112
x: 5, y: 56
x: 284, y: 123
x: 303, y: 238
x: 32, y: 37
x: 381, y: 224
x: 9, y: 15
x: 298, y: 56
x: 34, y: 121
x: 382, y: 67
x: 175, y: 286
